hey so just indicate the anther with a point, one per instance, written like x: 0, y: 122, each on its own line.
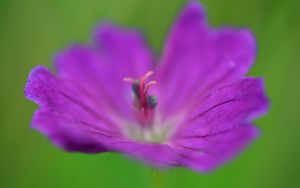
x: 151, y: 101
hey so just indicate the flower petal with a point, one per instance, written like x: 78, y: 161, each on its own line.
x: 198, y: 59
x: 66, y: 113
x: 67, y: 132
x: 124, y: 49
x: 204, y: 154
x: 226, y: 108
x: 85, y: 68
x: 218, y: 129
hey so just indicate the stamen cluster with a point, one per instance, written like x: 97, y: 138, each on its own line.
x: 144, y: 104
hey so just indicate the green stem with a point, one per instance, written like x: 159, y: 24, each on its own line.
x: 157, y: 178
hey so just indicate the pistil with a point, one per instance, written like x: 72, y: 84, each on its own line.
x: 143, y: 103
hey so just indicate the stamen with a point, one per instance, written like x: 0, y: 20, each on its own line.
x: 147, y: 75
x: 143, y: 102
x: 149, y: 85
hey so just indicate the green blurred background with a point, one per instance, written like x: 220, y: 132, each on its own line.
x: 32, y: 31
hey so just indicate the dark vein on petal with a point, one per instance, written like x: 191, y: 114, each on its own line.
x: 203, y: 78
x: 96, y: 129
x: 210, y: 135
x: 82, y: 105
x: 88, y: 109
x: 210, y: 109
x: 90, y: 125
x: 210, y: 87
x: 91, y: 111
x: 191, y: 148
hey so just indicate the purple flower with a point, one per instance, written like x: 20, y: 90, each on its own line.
x: 191, y: 108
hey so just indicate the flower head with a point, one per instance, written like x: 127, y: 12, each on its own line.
x: 193, y: 108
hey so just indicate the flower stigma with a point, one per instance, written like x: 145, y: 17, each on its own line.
x: 143, y: 103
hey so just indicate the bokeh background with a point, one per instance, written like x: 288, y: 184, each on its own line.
x: 32, y: 31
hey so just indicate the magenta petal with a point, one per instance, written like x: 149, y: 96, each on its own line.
x: 204, y: 154
x: 198, y: 59
x: 85, y: 68
x: 65, y: 118
x: 67, y: 132
x: 124, y: 49
x: 225, y: 108
x: 218, y: 128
